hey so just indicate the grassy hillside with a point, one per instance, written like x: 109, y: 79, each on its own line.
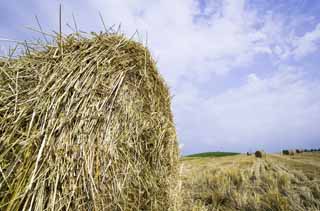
x: 213, y: 154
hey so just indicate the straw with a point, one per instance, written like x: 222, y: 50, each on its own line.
x: 87, y: 129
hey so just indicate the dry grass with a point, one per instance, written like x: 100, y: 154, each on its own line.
x: 86, y: 125
x: 249, y: 183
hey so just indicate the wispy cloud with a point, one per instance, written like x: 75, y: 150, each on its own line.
x: 308, y: 43
x: 274, y: 112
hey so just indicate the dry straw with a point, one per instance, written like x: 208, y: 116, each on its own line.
x: 89, y: 128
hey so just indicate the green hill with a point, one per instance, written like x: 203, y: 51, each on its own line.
x: 212, y: 154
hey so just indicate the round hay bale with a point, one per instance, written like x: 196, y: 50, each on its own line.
x: 260, y: 154
x: 86, y: 126
x: 292, y: 152
x: 248, y: 154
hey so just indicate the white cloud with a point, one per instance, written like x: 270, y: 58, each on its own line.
x: 281, y: 110
x: 308, y: 43
x: 181, y: 145
x: 184, y: 40
x: 252, y: 79
x: 225, y: 35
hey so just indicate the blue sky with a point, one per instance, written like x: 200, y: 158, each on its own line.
x: 244, y: 74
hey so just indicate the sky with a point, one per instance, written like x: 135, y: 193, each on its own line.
x: 243, y: 74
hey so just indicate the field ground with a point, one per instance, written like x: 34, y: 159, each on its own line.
x: 244, y: 182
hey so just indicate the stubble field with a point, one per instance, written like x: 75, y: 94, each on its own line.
x: 243, y: 182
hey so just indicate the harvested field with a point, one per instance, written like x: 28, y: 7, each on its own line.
x: 248, y: 183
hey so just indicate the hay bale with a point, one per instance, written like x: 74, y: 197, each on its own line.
x: 249, y: 154
x: 260, y: 154
x: 288, y: 152
x: 86, y: 127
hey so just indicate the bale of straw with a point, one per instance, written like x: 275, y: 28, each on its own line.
x: 260, y: 154
x: 248, y: 154
x: 292, y: 152
x: 88, y: 127
x: 288, y: 152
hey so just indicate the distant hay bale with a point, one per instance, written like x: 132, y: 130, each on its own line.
x: 87, y: 126
x: 288, y: 152
x: 292, y: 152
x: 249, y: 154
x: 299, y: 151
x: 260, y: 154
